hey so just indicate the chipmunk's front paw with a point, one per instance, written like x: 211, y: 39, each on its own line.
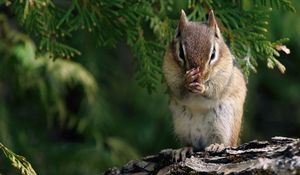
x: 196, y: 88
x: 191, y: 81
x: 215, y: 148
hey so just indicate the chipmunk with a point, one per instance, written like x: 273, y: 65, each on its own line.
x: 207, y: 89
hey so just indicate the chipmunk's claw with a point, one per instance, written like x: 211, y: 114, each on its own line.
x: 191, y: 81
x: 182, y: 153
x: 215, y: 148
x: 196, y: 88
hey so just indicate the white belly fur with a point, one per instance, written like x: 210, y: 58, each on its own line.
x: 199, y: 124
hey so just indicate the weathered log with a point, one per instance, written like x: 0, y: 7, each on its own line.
x: 280, y: 155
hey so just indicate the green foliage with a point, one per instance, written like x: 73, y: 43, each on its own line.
x: 18, y: 161
x: 24, y: 72
x: 60, y: 75
x: 53, y: 23
x: 245, y: 26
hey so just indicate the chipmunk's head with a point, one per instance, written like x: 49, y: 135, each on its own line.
x: 198, y: 45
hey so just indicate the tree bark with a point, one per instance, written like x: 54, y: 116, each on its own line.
x: 280, y: 155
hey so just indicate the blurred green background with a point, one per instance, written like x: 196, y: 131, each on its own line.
x: 86, y: 115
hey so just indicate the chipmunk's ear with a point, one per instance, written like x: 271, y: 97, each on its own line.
x: 212, y: 22
x: 182, y: 21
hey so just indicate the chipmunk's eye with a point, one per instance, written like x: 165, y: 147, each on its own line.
x: 213, y: 55
x: 181, y: 54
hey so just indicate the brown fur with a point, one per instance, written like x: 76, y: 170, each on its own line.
x: 223, y: 83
